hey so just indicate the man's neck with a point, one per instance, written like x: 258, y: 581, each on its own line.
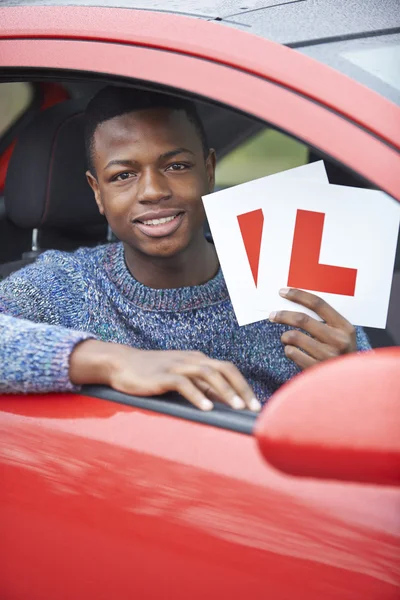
x: 197, y: 265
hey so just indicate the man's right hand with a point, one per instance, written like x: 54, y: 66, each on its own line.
x: 152, y: 372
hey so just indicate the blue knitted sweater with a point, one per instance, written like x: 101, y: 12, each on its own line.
x: 64, y: 298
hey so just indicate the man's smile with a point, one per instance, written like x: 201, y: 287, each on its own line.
x: 159, y: 223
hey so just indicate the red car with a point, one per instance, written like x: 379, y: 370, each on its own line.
x: 105, y: 495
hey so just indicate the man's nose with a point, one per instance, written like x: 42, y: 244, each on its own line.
x: 153, y: 187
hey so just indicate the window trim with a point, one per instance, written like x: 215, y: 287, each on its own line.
x: 173, y: 405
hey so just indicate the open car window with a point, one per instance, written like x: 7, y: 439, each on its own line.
x: 249, y: 150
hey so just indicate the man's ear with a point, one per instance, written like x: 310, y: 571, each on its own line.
x: 211, y: 162
x: 94, y: 184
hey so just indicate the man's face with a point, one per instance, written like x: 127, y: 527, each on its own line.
x: 151, y: 174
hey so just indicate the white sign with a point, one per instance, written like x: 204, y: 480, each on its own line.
x: 293, y: 229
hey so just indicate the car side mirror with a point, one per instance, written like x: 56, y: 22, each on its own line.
x: 339, y: 420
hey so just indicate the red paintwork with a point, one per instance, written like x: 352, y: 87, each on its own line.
x: 214, y: 42
x: 105, y: 501
x: 306, y: 120
x: 101, y: 500
x: 303, y: 432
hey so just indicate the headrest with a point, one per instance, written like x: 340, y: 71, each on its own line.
x: 46, y: 184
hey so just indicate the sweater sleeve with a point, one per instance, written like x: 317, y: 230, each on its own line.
x: 34, y: 357
x: 36, y: 344
x: 362, y: 340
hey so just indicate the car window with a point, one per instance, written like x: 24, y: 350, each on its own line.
x: 15, y: 98
x: 370, y: 60
x: 265, y: 153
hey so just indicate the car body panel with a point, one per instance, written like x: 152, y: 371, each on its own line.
x: 103, y: 500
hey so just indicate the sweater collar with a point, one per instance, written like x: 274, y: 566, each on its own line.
x: 175, y: 299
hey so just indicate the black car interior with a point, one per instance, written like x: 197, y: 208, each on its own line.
x: 47, y: 202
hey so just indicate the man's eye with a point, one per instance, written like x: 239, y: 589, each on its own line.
x: 178, y: 167
x: 123, y: 176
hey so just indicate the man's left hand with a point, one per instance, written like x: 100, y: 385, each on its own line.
x: 333, y: 337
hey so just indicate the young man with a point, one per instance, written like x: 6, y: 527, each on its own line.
x: 151, y: 313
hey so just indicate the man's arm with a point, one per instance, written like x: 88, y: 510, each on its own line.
x: 34, y: 358
x: 35, y: 344
x: 44, y: 355
x: 39, y: 358
x: 152, y: 372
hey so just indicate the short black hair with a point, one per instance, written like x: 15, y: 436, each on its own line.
x: 113, y: 101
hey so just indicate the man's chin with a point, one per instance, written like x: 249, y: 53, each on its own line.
x: 161, y: 248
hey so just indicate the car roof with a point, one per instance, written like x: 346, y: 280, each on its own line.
x: 283, y: 21
x: 360, y: 38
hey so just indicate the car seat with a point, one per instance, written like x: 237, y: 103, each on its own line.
x: 46, y: 192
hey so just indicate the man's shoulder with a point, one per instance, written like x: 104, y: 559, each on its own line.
x: 84, y: 261
x: 83, y: 257
x: 54, y: 280
x: 57, y: 266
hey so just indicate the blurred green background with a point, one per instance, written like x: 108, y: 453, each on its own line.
x: 266, y: 153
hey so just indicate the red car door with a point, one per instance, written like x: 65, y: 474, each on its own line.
x: 151, y: 498
x: 104, y: 500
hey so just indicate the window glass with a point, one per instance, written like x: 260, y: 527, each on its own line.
x: 263, y: 154
x: 372, y: 61
x: 14, y: 100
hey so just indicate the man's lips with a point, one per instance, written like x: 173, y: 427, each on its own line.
x: 159, y: 223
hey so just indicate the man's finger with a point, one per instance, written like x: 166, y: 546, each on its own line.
x: 206, y: 389
x: 239, y: 384
x: 214, y: 380
x: 188, y: 390
x: 297, y: 356
x: 317, y: 329
x: 314, y: 348
x: 317, y: 305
